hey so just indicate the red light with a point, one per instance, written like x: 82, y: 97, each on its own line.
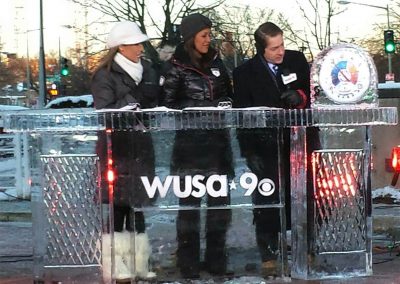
x: 396, y: 158
x: 110, y: 176
x: 337, y: 183
x: 337, y: 177
x: 352, y: 190
x: 349, y: 179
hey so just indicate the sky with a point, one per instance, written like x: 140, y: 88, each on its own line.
x: 356, y: 22
x: 56, y: 15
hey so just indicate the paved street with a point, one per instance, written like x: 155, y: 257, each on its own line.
x: 16, y: 252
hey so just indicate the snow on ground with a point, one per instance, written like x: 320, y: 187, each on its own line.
x: 8, y: 195
x: 7, y: 169
x: 10, y: 107
x: 7, y: 164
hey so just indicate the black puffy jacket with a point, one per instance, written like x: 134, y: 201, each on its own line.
x: 198, y: 151
x: 187, y: 86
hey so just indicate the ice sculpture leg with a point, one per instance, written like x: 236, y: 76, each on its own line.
x: 331, y: 231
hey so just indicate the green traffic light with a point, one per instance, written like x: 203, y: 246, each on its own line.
x: 64, y: 71
x: 390, y: 44
x: 390, y: 47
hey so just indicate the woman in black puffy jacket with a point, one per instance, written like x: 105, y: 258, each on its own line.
x: 196, y: 77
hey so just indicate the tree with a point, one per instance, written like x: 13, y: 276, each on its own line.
x: 236, y: 25
x: 317, y: 31
x: 12, y: 71
x: 143, y: 13
x: 234, y: 28
x: 374, y: 45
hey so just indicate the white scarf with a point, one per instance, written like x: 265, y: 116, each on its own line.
x: 135, y: 70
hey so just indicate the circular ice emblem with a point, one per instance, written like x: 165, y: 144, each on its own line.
x: 343, y: 74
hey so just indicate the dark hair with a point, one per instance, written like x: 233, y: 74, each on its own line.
x: 264, y: 31
x: 199, y: 60
x: 107, y: 60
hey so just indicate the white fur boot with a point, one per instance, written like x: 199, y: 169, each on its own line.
x: 106, y: 258
x: 122, y: 241
x: 122, y: 262
x: 142, y: 254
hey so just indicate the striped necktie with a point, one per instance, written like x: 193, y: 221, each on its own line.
x: 276, y: 69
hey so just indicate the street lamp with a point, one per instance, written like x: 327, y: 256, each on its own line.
x: 388, y: 22
x: 42, y: 69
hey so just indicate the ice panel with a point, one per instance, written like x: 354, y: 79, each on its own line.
x: 334, y: 239
x: 242, y: 254
x: 339, y: 196
x: 163, y: 187
x: 88, y: 119
x: 71, y: 217
x: 53, y: 134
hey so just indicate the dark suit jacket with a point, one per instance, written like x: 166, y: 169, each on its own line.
x: 254, y: 84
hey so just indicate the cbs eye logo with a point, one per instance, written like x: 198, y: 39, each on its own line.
x: 249, y: 182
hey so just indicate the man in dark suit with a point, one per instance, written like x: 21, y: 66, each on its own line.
x: 256, y: 83
x: 274, y: 77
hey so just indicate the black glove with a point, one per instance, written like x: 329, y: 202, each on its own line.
x: 292, y: 98
x: 149, y: 95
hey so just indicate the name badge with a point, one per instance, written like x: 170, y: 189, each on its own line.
x: 162, y: 81
x: 289, y: 78
x: 215, y: 72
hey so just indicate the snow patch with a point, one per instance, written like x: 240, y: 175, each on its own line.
x: 71, y: 101
x: 12, y: 107
x: 8, y: 195
x: 387, y: 192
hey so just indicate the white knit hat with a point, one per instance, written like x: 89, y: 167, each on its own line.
x: 125, y: 33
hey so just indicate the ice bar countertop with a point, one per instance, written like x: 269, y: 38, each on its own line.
x: 156, y: 119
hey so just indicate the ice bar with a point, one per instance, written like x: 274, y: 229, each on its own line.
x: 73, y: 198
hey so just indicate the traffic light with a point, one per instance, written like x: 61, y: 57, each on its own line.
x: 390, y: 45
x: 64, y: 68
x: 53, y: 91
